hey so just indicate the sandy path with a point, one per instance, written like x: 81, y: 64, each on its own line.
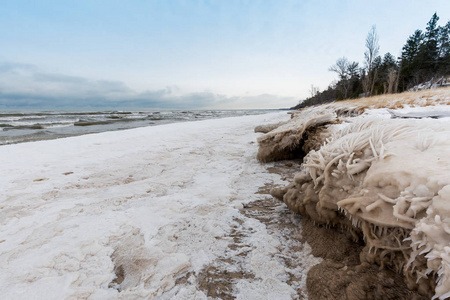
x: 236, y: 271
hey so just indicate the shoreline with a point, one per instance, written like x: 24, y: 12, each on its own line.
x: 130, y: 214
x: 25, y: 127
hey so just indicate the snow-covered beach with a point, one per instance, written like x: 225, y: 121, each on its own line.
x: 181, y: 211
x: 126, y: 214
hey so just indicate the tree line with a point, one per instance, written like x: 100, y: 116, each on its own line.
x: 424, y: 57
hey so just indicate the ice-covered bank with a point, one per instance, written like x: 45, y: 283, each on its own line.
x: 382, y: 175
x: 126, y: 214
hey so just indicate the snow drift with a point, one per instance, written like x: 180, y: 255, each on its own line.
x: 386, y: 180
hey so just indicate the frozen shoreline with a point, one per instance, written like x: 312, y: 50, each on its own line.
x: 147, y: 204
x: 380, y: 175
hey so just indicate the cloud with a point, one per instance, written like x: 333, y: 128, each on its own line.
x: 9, y: 67
x: 26, y: 86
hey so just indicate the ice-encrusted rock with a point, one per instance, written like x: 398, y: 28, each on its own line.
x: 284, y: 140
x: 385, y: 179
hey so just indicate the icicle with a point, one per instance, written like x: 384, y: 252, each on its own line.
x: 437, y: 219
x: 427, y: 249
x: 386, y: 199
x: 422, y: 243
x: 375, y: 154
x: 382, y: 156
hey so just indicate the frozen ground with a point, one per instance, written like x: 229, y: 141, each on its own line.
x: 142, y: 213
x: 383, y: 173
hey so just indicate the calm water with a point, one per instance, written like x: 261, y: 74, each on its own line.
x: 18, y: 127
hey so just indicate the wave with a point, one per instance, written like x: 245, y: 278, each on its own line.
x: 15, y: 126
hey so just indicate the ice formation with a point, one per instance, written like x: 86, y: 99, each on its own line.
x: 387, y: 180
x: 285, y: 140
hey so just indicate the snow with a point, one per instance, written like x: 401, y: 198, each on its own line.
x: 408, y: 181
x: 152, y: 203
x: 382, y: 169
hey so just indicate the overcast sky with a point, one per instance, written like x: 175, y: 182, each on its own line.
x: 189, y: 54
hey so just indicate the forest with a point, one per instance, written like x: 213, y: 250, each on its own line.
x: 425, y: 57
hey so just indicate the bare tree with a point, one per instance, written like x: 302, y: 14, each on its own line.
x: 392, y: 81
x: 345, y: 70
x: 370, y: 55
x: 314, y: 90
x: 340, y: 67
x: 365, y: 83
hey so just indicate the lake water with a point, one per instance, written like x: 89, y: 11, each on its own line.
x: 18, y: 127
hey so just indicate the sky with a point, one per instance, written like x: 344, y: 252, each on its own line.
x: 195, y: 54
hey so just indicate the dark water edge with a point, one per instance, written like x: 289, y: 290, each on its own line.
x: 27, y: 126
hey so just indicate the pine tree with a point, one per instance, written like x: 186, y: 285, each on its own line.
x: 387, y: 71
x: 428, y: 52
x: 444, y: 50
x: 409, y: 60
x: 411, y: 49
x: 353, y: 70
x: 389, y: 61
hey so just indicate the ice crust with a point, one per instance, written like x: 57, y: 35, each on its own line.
x: 387, y: 179
x: 283, y: 141
x: 147, y: 204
